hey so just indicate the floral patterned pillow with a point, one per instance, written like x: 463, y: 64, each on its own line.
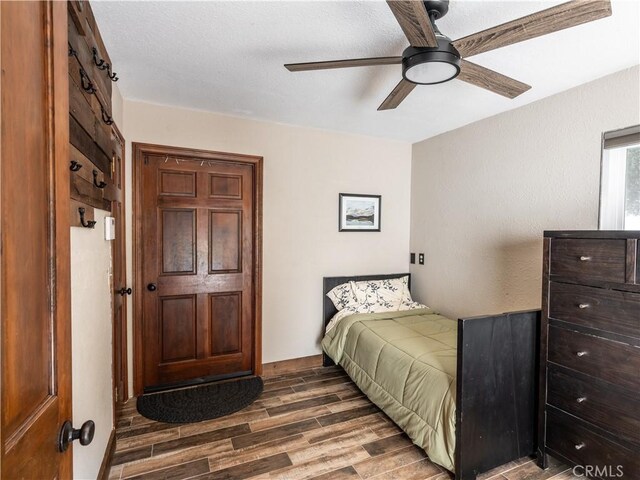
x: 342, y: 296
x: 387, y: 293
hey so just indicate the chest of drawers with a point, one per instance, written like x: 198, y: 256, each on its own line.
x: 589, y: 403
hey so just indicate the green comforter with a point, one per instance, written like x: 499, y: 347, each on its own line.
x: 405, y: 362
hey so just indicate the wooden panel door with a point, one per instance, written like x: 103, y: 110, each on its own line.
x: 199, y: 250
x: 35, y: 262
x: 121, y: 289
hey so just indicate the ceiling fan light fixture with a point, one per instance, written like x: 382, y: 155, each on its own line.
x: 428, y: 66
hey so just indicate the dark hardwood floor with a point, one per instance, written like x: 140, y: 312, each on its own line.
x: 308, y: 424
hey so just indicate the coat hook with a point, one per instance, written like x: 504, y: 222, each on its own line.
x: 95, y: 180
x: 87, y: 86
x: 113, y: 76
x: 100, y: 64
x: 106, y: 118
x: 85, y: 224
x: 75, y: 166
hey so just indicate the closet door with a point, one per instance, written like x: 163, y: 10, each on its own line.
x: 34, y: 212
x: 198, y: 246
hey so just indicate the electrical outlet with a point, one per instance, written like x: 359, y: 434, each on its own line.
x: 412, y: 259
x: 421, y: 258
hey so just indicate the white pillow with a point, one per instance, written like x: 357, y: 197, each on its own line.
x: 342, y: 296
x: 389, y: 293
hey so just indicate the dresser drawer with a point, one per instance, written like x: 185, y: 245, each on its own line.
x: 609, y: 310
x: 574, y: 440
x: 614, y: 410
x: 615, y: 362
x: 589, y: 259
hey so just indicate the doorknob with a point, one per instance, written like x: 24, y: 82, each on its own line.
x: 125, y: 291
x: 152, y: 287
x: 68, y: 434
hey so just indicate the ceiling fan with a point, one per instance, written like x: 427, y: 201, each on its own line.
x: 434, y: 58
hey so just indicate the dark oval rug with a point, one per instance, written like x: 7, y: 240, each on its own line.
x: 203, y: 402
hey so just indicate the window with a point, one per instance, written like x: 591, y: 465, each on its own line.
x: 620, y: 180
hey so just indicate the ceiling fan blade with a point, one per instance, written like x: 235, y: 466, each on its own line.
x: 397, y: 95
x: 414, y: 21
x: 490, y: 80
x: 537, y: 24
x: 355, y: 62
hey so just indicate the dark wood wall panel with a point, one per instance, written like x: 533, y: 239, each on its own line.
x: 177, y: 184
x: 178, y: 234
x: 225, y: 241
x: 80, y: 139
x: 225, y: 323
x: 80, y: 108
x: 225, y: 186
x: 178, y: 328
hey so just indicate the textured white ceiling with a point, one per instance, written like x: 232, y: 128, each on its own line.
x: 228, y: 57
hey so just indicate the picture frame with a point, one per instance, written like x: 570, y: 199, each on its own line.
x: 359, y: 212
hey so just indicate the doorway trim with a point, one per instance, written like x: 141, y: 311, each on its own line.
x: 140, y: 151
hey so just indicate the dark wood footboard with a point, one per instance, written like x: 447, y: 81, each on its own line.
x: 496, y: 391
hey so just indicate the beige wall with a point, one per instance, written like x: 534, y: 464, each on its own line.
x: 483, y: 194
x: 91, y: 332
x: 91, y: 335
x: 304, y: 170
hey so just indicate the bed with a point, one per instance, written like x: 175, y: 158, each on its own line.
x: 462, y: 390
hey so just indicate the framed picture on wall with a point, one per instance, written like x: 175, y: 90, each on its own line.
x: 359, y: 213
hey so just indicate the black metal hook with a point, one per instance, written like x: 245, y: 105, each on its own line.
x: 106, y: 118
x: 95, y: 180
x: 88, y: 223
x: 75, y: 166
x: 87, y: 85
x: 102, y: 65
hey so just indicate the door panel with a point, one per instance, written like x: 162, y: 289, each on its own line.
x: 225, y: 242
x: 225, y: 323
x: 178, y: 234
x: 225, y: 186
x: 178, y: 323
x: 35, y: 261
x: 177, y: 184
x: 198, y: 233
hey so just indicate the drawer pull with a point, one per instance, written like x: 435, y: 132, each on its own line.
x: 585, y: 258
x: 583, y: 305
x: 580, y: 446
x: 582, y: 353
x: 581, y: 399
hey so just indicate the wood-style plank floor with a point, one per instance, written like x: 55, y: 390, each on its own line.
x: 308, y: 424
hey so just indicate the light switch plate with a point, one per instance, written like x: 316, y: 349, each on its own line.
x: 109, y: 228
